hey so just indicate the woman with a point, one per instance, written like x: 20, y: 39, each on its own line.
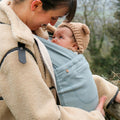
x: 26, y: 77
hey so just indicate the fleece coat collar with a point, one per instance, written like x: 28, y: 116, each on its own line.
x: 23, y: 34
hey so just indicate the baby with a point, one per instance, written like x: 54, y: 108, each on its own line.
x: 77, y: 88
x: 74, y: 81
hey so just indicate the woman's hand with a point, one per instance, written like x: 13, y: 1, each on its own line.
x: 101, y: 104
x: 117, y: 99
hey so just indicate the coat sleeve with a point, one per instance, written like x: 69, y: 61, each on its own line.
x: 28, y: 97
x: 106, y: 88
x: 70, y: 113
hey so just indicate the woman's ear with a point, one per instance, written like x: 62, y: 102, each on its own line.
x: 35, y: 4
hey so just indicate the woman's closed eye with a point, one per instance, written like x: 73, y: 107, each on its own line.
x: 54, y: 18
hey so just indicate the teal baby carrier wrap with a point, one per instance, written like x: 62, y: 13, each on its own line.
x: 75, y: 84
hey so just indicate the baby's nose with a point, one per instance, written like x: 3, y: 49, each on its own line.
x: 54, y: 40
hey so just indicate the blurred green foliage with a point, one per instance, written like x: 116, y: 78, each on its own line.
x: 106, y: 65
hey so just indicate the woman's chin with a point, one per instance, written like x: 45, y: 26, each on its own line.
x: 35, y: 28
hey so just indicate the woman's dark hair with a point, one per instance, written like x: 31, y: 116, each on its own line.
x: 55, y: 4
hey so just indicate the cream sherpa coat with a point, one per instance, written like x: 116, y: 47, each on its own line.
x: 25, y: 87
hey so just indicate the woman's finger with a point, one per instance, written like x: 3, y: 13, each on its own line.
x: 102, y: 102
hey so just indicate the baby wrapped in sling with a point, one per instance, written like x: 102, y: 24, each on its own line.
x: 74, y: 82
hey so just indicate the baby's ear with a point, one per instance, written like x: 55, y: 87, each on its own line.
x: 85, y: 29
x: 75, y: 46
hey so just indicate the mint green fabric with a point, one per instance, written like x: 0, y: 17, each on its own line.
x: 75, y: 84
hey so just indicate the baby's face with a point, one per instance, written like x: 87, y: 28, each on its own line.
x: 63, y: 36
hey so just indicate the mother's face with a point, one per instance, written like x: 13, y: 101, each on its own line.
x: 37, y: 16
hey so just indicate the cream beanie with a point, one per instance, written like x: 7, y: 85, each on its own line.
x: 81, y: 33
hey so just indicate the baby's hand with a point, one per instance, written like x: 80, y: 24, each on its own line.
x: 101, y: 104
x: 117, y: 99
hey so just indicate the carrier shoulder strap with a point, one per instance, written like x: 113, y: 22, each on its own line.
x: 21, y: 54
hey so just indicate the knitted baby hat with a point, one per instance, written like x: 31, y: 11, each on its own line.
x: 81, y: 33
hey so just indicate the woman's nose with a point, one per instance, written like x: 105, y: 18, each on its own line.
x: 52, y: 22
